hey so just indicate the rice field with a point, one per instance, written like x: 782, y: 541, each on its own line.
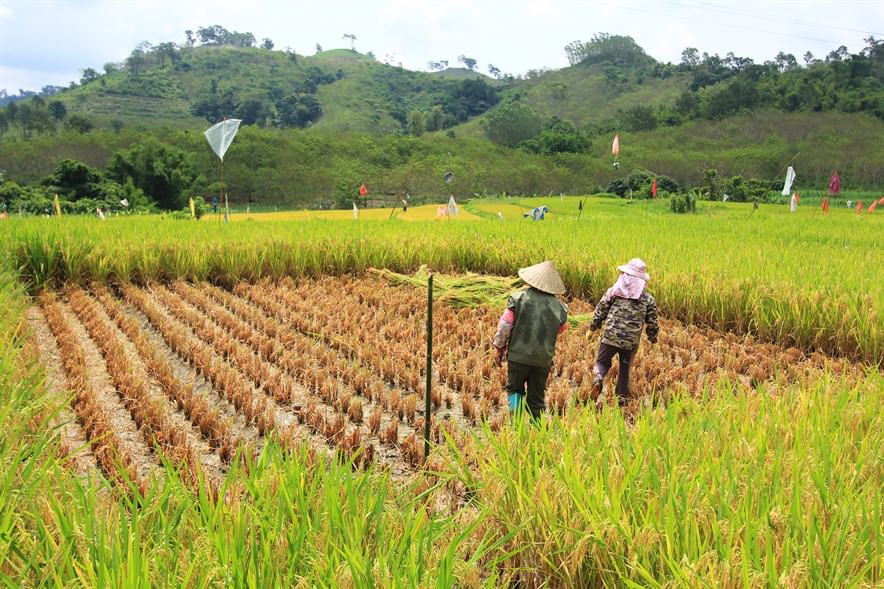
x: 201, y: 405
x: 418, y: 213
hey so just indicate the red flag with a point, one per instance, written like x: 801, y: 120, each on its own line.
x: 881, y: 202
x: 615, y: 147
x: 859, y: 207
x: 826, y: 204
x: 872, y: 206
x: 835, y: 183
x: 654, y: 188
x: 363, y: 190
x: 797, y: 196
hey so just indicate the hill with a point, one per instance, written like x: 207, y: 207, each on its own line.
x: 317, y: 126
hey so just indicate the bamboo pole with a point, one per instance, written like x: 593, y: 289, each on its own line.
x: 427, y: 396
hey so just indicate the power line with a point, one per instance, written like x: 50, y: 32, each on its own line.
x: 719, y: 7
x: 730, y: 25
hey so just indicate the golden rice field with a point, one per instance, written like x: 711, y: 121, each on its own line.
x: 200, y: 404
x: 419, y: 213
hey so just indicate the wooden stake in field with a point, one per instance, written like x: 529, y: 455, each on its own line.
x: 220, y: 136
x: 428, y: 408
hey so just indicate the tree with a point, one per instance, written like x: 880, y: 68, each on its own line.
x: 162, y: 171
x: 416, y: 123
x: 690, y: 57
x: 352, y: 40
x: 80, y: 124
x: 74, y: 180
x: 251, y: 111
x: 638, y: 118
x: 469, y: 62
x: 511, y: 124
x: 559, y: 137
x: 110, y: 67
x: 190, y: 38
x: 495, y: 72
x: 267, y: 43
x: 710, y: 179
x: 318, y: 48
x: 785, y: 61
x: 437, y: 66
x: 89, y: 75
x: 839, y: 54
x: 164, y: 50
x: 298, y: 110
x: 618, y: 50
x: 469, y: 98
x: 135, y: 60
x: 58, y: 109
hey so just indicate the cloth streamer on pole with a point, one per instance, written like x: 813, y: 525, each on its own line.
x: 221, y: 135
x: 615, y: 146
x: 790, y: 178
x: 355, y: 212
x: 835, y: 184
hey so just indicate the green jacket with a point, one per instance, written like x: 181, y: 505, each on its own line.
x: 539, y: 317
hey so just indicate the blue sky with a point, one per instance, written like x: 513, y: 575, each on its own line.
x: 51, y: 41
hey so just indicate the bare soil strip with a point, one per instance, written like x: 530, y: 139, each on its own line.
x: 72, y: 438
x: 338, y: 364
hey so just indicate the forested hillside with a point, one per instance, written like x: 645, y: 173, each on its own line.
x: 315, y: 127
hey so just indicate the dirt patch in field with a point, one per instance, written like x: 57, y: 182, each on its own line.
x: 339, y: 364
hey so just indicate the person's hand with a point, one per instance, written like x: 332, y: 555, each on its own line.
x: 501, y: 352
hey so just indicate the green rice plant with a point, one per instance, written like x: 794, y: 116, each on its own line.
x: 724, y: 491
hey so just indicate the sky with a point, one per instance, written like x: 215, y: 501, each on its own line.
x: 50, y: 42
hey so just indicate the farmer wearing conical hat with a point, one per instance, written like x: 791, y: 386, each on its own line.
x: 527, y: 333
x: 624, y: 309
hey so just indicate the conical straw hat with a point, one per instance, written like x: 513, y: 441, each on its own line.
x: 543, y: 276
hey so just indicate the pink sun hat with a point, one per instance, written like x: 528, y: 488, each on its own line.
x: 635, y: 267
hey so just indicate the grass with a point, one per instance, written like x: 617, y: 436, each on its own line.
x: 418, y: 213
x: 755, y: 490
x: 802, y: 279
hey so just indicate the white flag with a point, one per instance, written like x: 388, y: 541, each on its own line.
x: 787, y: 185
x: 221, y: 135
x: 355, y: 211
x: 452, y: 206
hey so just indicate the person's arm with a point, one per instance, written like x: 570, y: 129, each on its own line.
x: 651, y: 320
x: 564, y: 324
x: 504, y: 329
x: 601, y: 312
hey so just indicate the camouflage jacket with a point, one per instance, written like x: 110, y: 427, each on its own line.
x: 624, y: 318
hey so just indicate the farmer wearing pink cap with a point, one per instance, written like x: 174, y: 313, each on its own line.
x: 624, y: 310
x: 527, y: 333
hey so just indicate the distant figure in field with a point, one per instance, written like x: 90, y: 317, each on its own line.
x: 527, y: 333
x: 537, y: 213
x: 624, y: 309
x: 215, y: 204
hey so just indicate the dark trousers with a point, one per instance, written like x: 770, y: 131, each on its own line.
x: 603, y: 364
x: 521, y: 378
